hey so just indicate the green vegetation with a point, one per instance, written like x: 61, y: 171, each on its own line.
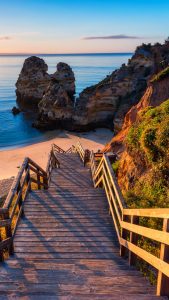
x: 148, y: 144
x: 161, y: 75
x: 148, y: 140
x: 115, y: 166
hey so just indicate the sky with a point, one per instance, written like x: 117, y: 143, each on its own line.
x: 81, y: 26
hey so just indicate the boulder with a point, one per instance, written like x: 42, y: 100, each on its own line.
x: 32, y: 83
x: 15, y: 110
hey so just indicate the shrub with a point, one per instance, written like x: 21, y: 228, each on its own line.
x: 161, y: 75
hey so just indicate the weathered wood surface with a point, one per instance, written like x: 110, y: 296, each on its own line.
x: 66, y: 246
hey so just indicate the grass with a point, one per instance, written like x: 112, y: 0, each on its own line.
x: 115, y: 166
x: 147, y: 143
x: 161, y: 75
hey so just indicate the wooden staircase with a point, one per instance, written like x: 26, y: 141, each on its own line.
x: 66, y: 246
x: 63, y: 238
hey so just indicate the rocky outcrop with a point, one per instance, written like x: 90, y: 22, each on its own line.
x: 142, y: 144
x: 156, y: 93
x: 57, y: 104
x: 102, y: 105
x: 32, y: 82
x: 143, y: 165
x: 108, y: 102
x: 15, y: 110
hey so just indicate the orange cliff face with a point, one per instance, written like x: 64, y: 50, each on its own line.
x: 133, y: 166
x: 156, y: 93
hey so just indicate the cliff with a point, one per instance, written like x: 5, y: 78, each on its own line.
x: 142, y: 147
x: 101, y: 105
x: 156, y: 93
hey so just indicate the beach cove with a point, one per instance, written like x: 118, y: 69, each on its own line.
x: 11, y: 160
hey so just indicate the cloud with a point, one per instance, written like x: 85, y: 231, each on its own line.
x: 5, y: 38
x: 17, y: 35
x: 112, y: 37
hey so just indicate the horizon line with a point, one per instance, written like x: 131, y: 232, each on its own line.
x: 73, y: 53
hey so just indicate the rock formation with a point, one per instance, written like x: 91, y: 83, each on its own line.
x: 15, y: 110
x: 142, y: 144
x: 102, y: 105
x: 32, y: 82
x: 56, y: 106
x: 156, y: 93
x: 107, y: 102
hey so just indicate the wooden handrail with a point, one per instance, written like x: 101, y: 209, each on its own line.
x: 84, y: 154
x: 13, y: 208
x: 147, y: 212
x: 58, y: 149
x: 126, y: 222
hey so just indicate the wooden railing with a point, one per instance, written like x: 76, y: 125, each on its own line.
x: 60, y: 150
x: 30, y: 176
x: 53, y: 162
x: 127, y: 224
x: 84, y: 154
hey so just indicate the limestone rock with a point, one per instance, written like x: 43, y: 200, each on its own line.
x: 56, y: 107
x: 65, y: 77
x: 156, y: 93
x: 32, y: 82
x: 107, y: 102
x: 15, y: 110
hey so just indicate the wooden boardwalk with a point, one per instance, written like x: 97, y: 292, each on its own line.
x: 66, y: 245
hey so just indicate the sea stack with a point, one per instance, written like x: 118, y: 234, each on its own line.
x: 57, y: 104
x: 32, y: 83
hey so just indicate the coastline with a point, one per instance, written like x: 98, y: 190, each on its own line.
x: 11, y: 160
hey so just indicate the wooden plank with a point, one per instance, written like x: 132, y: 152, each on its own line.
x: 153, y: 234
x: 133, y: 240
x: 62, y: 244
x: 112, y: 212
x: 117, y: 190
x: 5, y: 243
x: 36, y: 166
x: 56, y: 233
x: 70, y: 239
x: 39, y: 183
x: 148, y: 257
x: 4, y: 223
x: 147, y: 212
x: 65, y: 249
x: 31, y: 255
x: 163, y: 280
x: 124, y: 236
x: 15, y: 184
x: 112, y: 196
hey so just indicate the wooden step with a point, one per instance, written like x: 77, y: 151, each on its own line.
x: 66, y: 246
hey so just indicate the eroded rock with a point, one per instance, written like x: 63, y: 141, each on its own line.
x: 32, y: 82
x: 57, y: 104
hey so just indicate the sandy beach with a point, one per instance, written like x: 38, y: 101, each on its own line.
x: 11, y: 160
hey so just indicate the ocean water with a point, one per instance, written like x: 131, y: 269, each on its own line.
x: 89, y: 69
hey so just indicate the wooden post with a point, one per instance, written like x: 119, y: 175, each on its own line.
x: 133, y: 240
x: 124, y: 236
x: 28, y: 180
x: 20, y: 203
x: 9, y: 234
x: 1, y: 251
x: 163, y: 280
x: 38, y: 179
